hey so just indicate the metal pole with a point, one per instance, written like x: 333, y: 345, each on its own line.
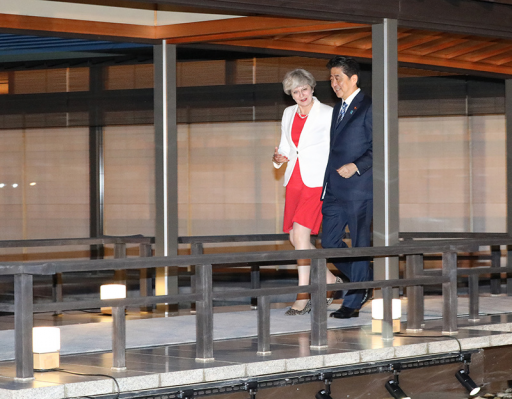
x: 508, y: 122
x: 473, y: 297
x: 120, y: 253
x: 197, y: 248
x: 415, y: 299
x: 57, y: 290
x: 119, y: 338
x: 318, y: 304
x: 450, y: 299
x: 495, y: 277
x: 96, y: 160
x: 23, y: 324
x: 387, y: 320
x: 509, y: 275
x: 204, y: 314
x: 385, y: 145
x: 264, y: 326
x: 255, y: 283
x: 146, y: 276
x: 166, y: 169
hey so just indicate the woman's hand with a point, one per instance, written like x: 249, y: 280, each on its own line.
x: 278, y: 158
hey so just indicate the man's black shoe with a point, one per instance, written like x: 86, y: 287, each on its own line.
x: 368, y: 295
x: 345, y: 313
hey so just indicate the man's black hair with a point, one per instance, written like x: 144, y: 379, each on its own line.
x: 348, y: 66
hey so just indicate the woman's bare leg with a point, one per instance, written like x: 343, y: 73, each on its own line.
x: 300, y: 237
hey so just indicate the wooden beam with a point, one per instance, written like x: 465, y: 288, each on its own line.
x: 501, y: 59
x: 455, y: 64
x: 347, y: 38
x: 298, y: 47
x: 358, y: 53
x: 464, y: 48
x: 415, y: 39
x: 59, y: 26
x: 490, y: 51
x: 305, y: 38
x: 246, y: 27
x: 435, y: 46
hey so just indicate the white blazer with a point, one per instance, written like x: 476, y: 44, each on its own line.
x: 313, y: 148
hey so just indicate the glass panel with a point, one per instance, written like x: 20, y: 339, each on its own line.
x: 488, y: 169
x: 231, y: 185
x: 201, y: 73
x: 129, y: 180
x: 123, y: 77
x: 453, y: 174
x: 50, y: 81
x: 44, y: 186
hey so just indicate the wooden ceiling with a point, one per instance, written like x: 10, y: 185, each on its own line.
x: 421, y: 48
x: 438, y: 50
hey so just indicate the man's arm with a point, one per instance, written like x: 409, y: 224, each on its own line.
x: 365, y: 161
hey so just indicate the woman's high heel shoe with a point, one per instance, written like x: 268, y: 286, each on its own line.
x: 295, y: 312
x: 329, y: 300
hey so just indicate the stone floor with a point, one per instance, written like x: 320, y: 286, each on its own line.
x: 171, y: 366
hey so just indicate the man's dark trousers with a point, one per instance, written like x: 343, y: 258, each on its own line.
x: 357, y: 215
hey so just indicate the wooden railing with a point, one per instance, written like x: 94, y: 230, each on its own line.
x: 416, y: 279
x: 119, y: 243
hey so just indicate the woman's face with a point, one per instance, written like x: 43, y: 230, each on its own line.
x: 303, y: 95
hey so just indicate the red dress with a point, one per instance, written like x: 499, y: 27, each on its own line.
x: 302, y: 203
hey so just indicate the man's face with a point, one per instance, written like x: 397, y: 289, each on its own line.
x: 342, y: 85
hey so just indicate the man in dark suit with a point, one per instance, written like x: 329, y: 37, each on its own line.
x: 348, y: 183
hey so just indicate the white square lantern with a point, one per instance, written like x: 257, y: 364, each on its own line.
x: 46, y: 348
x: 378, y: 314
x: 111, y: 291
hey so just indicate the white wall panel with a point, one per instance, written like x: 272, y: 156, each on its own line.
x: 452, y: 174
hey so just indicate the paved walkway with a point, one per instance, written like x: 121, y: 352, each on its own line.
x: 162, y: 351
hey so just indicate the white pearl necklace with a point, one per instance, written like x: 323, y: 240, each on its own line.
x: 302, y: 116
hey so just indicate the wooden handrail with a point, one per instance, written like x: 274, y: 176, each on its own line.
x: 24, y: 307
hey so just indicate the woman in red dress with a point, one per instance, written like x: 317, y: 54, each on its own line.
x: 304, y: 146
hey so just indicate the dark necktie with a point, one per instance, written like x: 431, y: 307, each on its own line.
x: 342, y: 113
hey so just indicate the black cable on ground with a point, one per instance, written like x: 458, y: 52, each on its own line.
x: 118, y: 393
x: 433, y: 336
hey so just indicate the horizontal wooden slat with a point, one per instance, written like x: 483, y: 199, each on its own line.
x: 439, y: 47
x: 416, y: 39
x: 243, y: 28
x: 409, y: 248
x: 427, y: 56
x: 58, y: 26
x: 300, y: 47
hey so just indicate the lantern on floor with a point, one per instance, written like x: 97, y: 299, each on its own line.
x: 378, y: 314
x: 46, y: 348
x: 111, y: 291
